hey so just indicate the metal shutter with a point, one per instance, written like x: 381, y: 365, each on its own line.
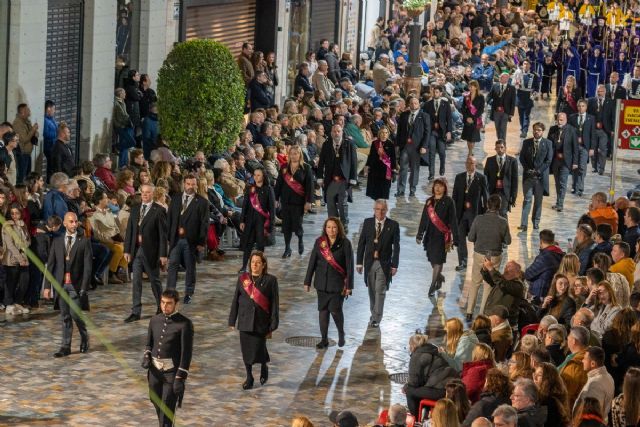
x: 231, y: 23
x: 63, y: 83
x: 323, y: 22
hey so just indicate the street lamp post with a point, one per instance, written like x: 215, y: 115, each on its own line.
x: 413, y: 70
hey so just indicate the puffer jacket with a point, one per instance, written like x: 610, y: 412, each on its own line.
x: 485, y: 406
x: 427, y: 368
x: 473, y: 377
x: 467, y: 342
x: 541, y: 271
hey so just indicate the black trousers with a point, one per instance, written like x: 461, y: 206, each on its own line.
x: 463, y: 229
x: 416, y: 394
x: 161, y: 384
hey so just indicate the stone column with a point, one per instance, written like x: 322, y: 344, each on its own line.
x: 98, y: 72
x: 27, y: 58
x: 152, y: 46
x: 413, y: 71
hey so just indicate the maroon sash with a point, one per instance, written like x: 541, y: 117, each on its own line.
x: 254, y: 293
x: 255, y: 203
x: 385, y: 159
x: 441, y: 226
x: 569, y: 97
x: 325, y: 251
x: 472, y: 109
x: 292, y: 183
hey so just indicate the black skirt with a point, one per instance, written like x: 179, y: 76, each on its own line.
x: 331, y: 301
x: 254, y: 348
x: 470, y: 132
x: 291, y: 216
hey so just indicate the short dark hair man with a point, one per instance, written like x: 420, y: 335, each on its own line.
x: 544, y: 266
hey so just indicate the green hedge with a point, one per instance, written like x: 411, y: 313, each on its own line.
x: 201, y: 97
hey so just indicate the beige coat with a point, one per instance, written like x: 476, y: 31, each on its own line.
x: 380, y: 76
x: 232, y: 186
x: 246, y: 68
x: 322, y: 82
x: 23, y: 128
x: 104, y: 225
x: 12, y: 242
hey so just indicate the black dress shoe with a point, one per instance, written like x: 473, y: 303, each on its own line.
x: 322, y: 344
x: 132, y: 318
x: 536, y: 226
x: 287, y: 253
x: 97, y: 280
x: 522, y: 228
x: 462, y: 266
x: 300, y: 246
x: 412, y: 194
x: 264, y: 374
x: 341, y: 341
x: 431, y: 178
x: 400, y: 194
x: 469, y: 317
x: 187, y: 299
x: 374, y: 324
x: 63, y: 352
x: 84, y: 345
x: 247, y: 384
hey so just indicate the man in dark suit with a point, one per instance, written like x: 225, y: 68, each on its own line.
x: 167, y: 357
x: 501, y: 172
x: 379, y: 248
x: 631, y: 236
x: 337, y: 171
x: 470, y: 196
x: 145, y: 245
x: 503, y: 102
x: 585, y: 126
x: 62, y: 159
x: 441, y: 118
x: 535, y: 157
x: 70, y: 264
x: 614, y: 89
x: 564, y: 140
x: 414, y: 129
x: 603, y: 110
x: 188, y: 225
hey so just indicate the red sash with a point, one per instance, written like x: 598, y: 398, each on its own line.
x: 254, y: 293
x: 255, y: 203
x: 569, y: 97
x: 385, y: 159
x: 293, y: 184
x: 441, y: 226
x: 473, y: 110
x: 325, y: 251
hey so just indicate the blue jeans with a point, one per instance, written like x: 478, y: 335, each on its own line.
x: 182, y: 254
x: 125, y: 142
x: 524, y: 114
x: 24, y: 166
x: 101, y: 258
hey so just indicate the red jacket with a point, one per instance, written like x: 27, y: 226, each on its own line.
x: 473, y: 376
x: 107, y: 177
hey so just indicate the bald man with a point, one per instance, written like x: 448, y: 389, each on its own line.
x: 481, y: 422
x: 69, y: 263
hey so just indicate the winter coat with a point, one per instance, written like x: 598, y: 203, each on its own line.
x: 484, y: 407
x: 484, y: 336
x: 473, y: 377
x: 557, y: 354
x: 567, y: 310
x: 467, y: 342
x: 507, y: 293
x: 533, y: 416
x: 427, y: 368
x: 573, y: 375
x: 14, y: 239
x: 542, y: 270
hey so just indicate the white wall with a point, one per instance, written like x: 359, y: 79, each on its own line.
x: 98, y: 77
x: 370, y: 12
x: 282, y: 49
x: 27, y: 58
x: 153, y: 36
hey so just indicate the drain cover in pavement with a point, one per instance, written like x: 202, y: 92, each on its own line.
x: 400, y: 378
x: 305, y: 341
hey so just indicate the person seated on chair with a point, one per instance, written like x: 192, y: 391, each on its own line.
x: 501, y: 334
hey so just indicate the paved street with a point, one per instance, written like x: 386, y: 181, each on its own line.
x: 107, y: 387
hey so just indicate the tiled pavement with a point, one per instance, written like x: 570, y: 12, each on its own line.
x: 96, y: 390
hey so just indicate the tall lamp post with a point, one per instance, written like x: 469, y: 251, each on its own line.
x: 413, y: 70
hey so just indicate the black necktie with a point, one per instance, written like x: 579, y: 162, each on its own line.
x: 378, y: 229
x: 412, y: 118
x: 500, y: 162
x: 68, y: 249
x: 599, y: 104
x: 185, y: 203
x: 536, y: 143
x: 437, y: 105
x: 581, y: 121
x: 469, y: 179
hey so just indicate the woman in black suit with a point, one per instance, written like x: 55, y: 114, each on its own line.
x: 331, y: 261
x: 294, y: 191
x: 438, y: 230
x: 381, y: 165
x: 258, y: 216
x: 472, y: 109
x: 568, y: 97
x: 255, y: 306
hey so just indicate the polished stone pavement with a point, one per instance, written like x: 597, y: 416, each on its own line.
x: 107, y: 387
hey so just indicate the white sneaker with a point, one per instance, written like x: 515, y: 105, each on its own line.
x: 23, y: 309
x: 12, y: 310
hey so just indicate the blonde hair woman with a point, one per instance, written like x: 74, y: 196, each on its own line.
x: 301, y: 422
x: 445, y: 414
x: 459, y: 344
x: 570, y: 267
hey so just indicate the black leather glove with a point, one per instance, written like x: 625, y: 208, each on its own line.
x: 178, y: 390
x: 146, y: 360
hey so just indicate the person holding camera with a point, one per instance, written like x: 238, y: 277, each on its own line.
x: 535, y: 157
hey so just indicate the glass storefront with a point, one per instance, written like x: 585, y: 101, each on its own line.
x: 298, y: 38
